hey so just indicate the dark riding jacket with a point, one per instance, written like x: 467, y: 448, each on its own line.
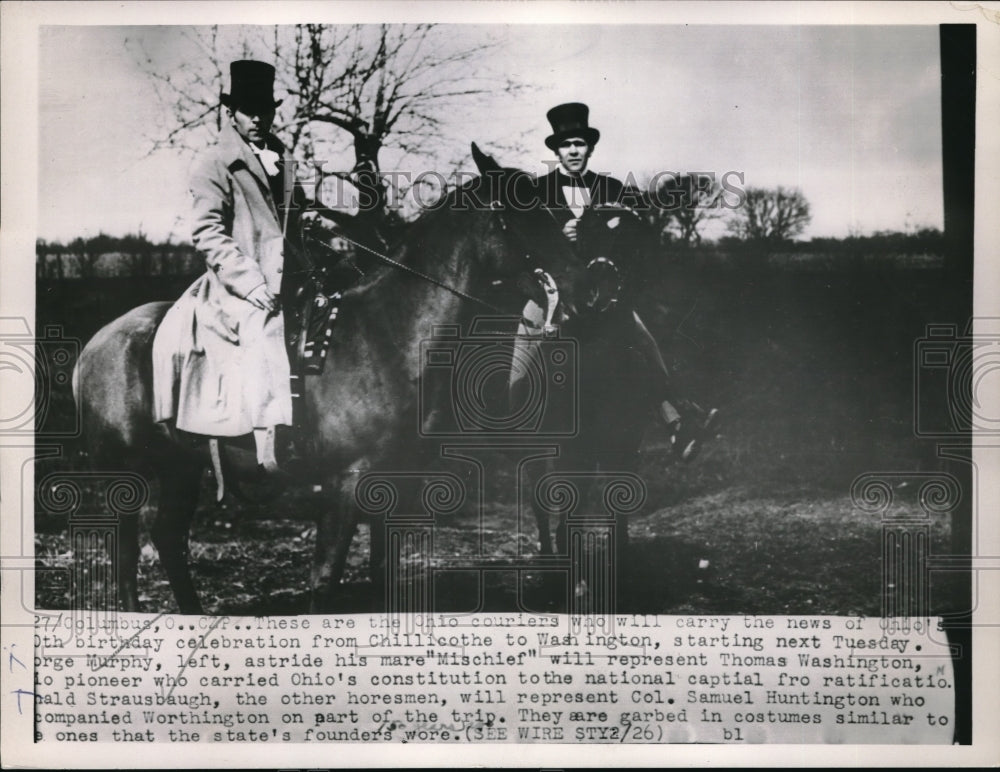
x: 601, y: 188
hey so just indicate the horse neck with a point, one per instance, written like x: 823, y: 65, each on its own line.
x: 406, y: 308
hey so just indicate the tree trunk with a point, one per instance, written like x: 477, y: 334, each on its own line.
x: 367, y: 173
x: 371, y: 219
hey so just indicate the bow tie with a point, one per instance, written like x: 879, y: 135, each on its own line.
x: 569, y: 181
x: 268, y: 158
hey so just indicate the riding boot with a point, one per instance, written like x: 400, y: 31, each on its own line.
x: 267, y: 461
x: 686, y: 421
x: 263, y: 438
x: 291, y: 449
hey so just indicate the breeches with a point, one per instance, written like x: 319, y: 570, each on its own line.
x: 525, y: 353
x: 528, y: 341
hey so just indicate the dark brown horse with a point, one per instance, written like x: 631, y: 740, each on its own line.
x: 589, y: 484
x: 592, y: 485
x: 362, y: 411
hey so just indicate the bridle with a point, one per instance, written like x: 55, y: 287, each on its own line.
x: 545, y: 280
x: 595, y: 306
x: 407, y: 269
x: 497, y: 209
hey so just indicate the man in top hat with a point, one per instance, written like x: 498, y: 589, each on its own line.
x: 570, y: 188
x: 571, y: 192
x: 220, y: 364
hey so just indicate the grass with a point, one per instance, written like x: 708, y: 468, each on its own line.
x: 814, y: 373
x: 701, y: 546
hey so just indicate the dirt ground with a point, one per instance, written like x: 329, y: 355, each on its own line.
x: 815, y: 375
x: 728, y: 549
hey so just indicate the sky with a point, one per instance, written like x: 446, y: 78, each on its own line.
x: 848, y: 114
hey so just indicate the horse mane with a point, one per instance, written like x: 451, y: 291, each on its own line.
x: 422, y: 234
x: 422, y: 238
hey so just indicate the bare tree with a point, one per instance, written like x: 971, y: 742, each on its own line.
x: 680, y: 204
x: 87, y: 252
x: 42, y: 251
x: 58, y: 251
x: 363, y: 86
x: 137, y: 252
x: 776, y: 214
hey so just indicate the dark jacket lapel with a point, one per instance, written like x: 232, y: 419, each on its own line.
x: 551, y: 190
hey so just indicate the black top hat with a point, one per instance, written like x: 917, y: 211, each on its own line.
x: 570, y: 120
x: 251, y: 85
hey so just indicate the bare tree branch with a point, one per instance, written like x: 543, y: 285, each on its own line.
x: 681, y: 204
x: 777, y: 214
x: 369, y: 87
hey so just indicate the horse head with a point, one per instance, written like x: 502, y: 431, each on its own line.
x: 521, y: 235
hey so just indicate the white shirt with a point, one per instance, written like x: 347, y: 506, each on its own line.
x: 268, y: 158
x: 575, y: 192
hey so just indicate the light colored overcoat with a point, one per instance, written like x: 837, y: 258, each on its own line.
x: 220, y: 366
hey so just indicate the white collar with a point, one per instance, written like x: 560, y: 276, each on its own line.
x: 268, y: 158
x: 570, y: 179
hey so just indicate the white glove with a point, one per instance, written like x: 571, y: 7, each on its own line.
x: 262, y: 298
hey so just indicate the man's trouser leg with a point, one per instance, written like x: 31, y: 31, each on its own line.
x: 267, y: 387
x: 686, y: 431
x: 525, y: 354
x: 663, y: 384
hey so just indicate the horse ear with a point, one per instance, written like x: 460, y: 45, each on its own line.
x: 484, y: 162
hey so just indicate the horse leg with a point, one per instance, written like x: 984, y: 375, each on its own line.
x: 179, y: 483
x: 627, y: 459
x: 379, y: 566
x: 562, y: 529
x: 544, y: 532
x: 334, y: 534
x: 542, y: 520
x: 128, y: 562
